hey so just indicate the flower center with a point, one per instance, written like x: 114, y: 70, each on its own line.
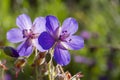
x: 28, y: 33
x: 64, y: 35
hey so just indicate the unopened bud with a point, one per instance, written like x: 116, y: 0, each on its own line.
x: 60, y: 77
x: 11, y: 52
x: 48, y: 57
x: 20, y: 62
x: 40, y: 59
x: 2, y: 65
x: 68, y: 75
x: 77, y: 76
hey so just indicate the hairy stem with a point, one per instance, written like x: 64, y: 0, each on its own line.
x: 36, y: 72
x: 36, y: 67
x: 50, y: 66
x: 49, y: 71
x: 3, y: 74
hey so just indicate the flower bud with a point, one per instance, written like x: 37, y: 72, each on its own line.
x: 20, y: 62
x: 11, y: 52
x: 77, y: 76
x: 60, y: 77
x: 68, y: 75
x: 48, y: 57
x: 2, y: 65
x: 40, y: 59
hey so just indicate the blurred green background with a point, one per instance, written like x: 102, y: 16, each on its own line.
x: 99, y: 25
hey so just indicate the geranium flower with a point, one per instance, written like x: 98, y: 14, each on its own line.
x: 85, y: 34
x: 61, y: 37
x: 27, y: 33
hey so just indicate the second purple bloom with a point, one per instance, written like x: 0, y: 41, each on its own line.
x: 61, y: 37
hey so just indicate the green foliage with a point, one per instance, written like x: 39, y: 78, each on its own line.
x: 101, y: 18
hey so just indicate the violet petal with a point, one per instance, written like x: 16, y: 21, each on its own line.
x: 15, y: 35
x: 23, y: 21
x: 39, y: 25
x: 70, y: 25
x: 61, y: 56
x: 25, y: 48
x: 51, y: 23
x: 73, y: 43
x: 37, y: 45
x: 46, y: 40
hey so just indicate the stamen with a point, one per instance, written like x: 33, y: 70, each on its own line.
x: 63, y: 37
x: 70, y: 40
x: 25, y: 33
x: 30, y: 30
x: 64, y: 32
x: 29, y: 34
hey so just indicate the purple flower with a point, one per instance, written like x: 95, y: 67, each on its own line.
x: 85, y: 34
x: 61, y: 37
x: 85, y: 60
x: 8, y: 77
x: 27, y: 33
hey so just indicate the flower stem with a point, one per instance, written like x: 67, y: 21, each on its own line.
x: 50, y: 67
x: 36, y: 67
x: 2, y: 74
x: 49, y: 71
x: 1, y: 47
x: 36, y: 72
